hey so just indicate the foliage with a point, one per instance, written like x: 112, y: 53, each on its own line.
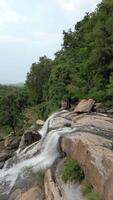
x: 38, y: 77
x: 87, y: 191
x: 83, y: 68
x: 12, y: 106
x: 72, y: 171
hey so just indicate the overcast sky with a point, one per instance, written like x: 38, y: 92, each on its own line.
x: 33, y: 28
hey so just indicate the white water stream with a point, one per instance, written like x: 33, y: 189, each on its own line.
x: 39, y: 155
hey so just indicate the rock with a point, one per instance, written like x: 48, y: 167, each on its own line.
x: 26, y: 181
x: 98, y: 107
x: 95, y: 156
x: 31, y: 137
x: 11, y: 142
x: 16, y: 195
x: 52, y: 191
x: 110, y: 111
x: 84, y: 106
x: 35, y: 193
x: 101, y: 123
x: 1, y: 138
x: 56, y: 189
x: 1, y: 165
x: 59, y: 122
x: 5, y: 156
x: 64, y: 105
x: 39, y: 124
x: 1, y: 146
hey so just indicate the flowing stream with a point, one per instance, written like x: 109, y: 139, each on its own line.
x: 39, y: 155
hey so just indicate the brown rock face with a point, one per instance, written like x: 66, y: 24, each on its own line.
x: 11, y: 142
x: 84, y: 106
x: 5, y: 156
x: 52, y: 191
x: 35, y: 193
x: 95, y: 156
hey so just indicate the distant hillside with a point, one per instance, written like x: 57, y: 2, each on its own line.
x: 17, y: 84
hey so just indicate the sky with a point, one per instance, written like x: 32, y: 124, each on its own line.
x: 33, y: 28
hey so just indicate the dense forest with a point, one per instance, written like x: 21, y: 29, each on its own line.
x: 83, y: 68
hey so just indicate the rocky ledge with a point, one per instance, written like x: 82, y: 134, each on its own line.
x: 92, y: 146
x: 90, y: 143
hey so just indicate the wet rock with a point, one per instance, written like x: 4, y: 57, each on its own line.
x: 31, y: 137
x: 11, y: 142
x: 35, y: 193
x: 59, y: 122
x: 1, y: 165
x: 95, y: 157
x: 5, y: 156
x: 25, y: 181
x: 84, y: 106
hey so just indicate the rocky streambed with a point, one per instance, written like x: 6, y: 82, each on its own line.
x: 84, y: 134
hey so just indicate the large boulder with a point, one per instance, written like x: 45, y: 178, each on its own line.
x: 35, y: 193
x: 11, y: 142
x: 95, y: 155
x: 84, y: 106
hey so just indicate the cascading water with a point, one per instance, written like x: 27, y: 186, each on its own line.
x: 39, y: 155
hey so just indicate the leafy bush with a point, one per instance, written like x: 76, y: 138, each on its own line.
x: 87, y: 191
x: 72, y: 171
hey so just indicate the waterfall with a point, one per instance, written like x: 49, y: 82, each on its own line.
x: 39, y: 155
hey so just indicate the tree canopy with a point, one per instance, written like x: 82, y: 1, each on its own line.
x: 83, y: 68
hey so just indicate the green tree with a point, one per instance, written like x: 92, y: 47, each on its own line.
x: 11, y: 109
x: 37, y: 79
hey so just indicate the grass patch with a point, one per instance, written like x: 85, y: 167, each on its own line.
x: 87, y: 191
x: 72, y: 171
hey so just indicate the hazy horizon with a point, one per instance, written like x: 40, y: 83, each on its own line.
x: 29, y: 30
